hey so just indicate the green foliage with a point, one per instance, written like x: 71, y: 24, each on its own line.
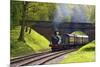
x: 90, y: 12
x: 40, y: 11
x: 34, y: 43
x: 34, y: 11
x: 84, y: 54
x: 16, y: 12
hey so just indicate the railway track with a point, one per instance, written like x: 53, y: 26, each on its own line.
x: 38, y: 59
x: 18, y: 59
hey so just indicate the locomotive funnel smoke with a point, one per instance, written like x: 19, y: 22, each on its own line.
x: 76, y: 13
x: 60, y: 15
x: 79, y: 15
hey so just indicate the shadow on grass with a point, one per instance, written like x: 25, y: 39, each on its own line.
x: 89, y: 49
x: 19, y: 48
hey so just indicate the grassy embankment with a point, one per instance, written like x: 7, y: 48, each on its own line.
x: 84, y: 54
x: 34, y: 43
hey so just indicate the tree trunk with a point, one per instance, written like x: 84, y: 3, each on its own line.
x: 21, y: 36
x: 30, y: 30
x: 26, y: 29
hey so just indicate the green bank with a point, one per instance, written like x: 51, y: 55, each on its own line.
x: 84, y: 54
x: 34, y: 43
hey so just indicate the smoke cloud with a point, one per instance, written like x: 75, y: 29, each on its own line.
x: 63, y: 11
x: 79, y: 15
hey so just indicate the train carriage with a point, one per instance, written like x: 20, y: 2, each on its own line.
x: 70, y: 41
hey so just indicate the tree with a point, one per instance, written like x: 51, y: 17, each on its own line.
x: 21, y: 36
x: 24, y: 10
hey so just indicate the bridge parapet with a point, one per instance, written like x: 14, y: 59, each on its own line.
x: 63, y: 24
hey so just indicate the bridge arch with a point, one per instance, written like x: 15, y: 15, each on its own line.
x: 89, y: 32
x: 45, y: 28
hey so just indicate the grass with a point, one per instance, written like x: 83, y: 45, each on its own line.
x: 84, y: 54
x: 34, y: 43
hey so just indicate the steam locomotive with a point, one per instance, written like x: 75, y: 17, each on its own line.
x: 70, y: 41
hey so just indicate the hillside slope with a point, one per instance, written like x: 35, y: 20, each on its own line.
x: 34, y: 43
x: 84, y: 54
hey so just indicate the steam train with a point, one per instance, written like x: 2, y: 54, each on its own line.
x: 70, y: 41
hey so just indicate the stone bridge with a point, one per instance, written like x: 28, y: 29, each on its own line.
x: 45, y: 28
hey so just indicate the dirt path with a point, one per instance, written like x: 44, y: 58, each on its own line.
x: 56, y: 60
